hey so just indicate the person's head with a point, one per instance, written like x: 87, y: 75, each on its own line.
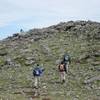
x: 62, y: 62
x: 37, y: 64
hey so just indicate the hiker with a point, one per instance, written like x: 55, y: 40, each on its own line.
x: 62, y: 70
x: 37, y: 72
x: 21, y: 30
x: 66, y: 61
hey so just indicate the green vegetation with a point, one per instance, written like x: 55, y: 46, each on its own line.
x: 16, y: 81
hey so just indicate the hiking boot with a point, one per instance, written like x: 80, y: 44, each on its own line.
x: 35, y: 87
x: 63, y: 81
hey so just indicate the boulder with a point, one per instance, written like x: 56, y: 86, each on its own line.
x: 95, y: 78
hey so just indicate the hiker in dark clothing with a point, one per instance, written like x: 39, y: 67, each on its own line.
x: 21, y: 30
x: 37, y: 72
x: 66, y: 60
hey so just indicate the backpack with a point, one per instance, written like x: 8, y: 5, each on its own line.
x: 66, y: 58
x: 61, y: 67
x: 36, y: 72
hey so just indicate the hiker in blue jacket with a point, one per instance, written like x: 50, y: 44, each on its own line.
x: 37, y: 72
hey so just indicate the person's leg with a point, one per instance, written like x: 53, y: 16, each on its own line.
x: 67, y: 66
x: 35, y: 81
x: 62, y: 74
x: 39, y: 82
x: 36, y: 84
x: 64, y: 77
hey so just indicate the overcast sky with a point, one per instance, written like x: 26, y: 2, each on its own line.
x: 28, y: 14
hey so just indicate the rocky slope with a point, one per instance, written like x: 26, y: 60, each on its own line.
x: 20, y: 52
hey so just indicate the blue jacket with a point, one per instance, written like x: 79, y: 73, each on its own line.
x: 38, y: 71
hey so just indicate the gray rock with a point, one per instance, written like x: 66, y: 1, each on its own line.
x: 92, y: 79
x: 3, y: 53
x: 29, y: 62
x: 95, y: 63
x: 97, y: 68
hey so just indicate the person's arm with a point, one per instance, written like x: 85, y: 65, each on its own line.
x: 58, y: 67
x: 43, y: 69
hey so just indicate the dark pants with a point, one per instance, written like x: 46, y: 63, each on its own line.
x: 67, y: 66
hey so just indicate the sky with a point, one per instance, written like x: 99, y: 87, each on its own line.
x: 29, y: 14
